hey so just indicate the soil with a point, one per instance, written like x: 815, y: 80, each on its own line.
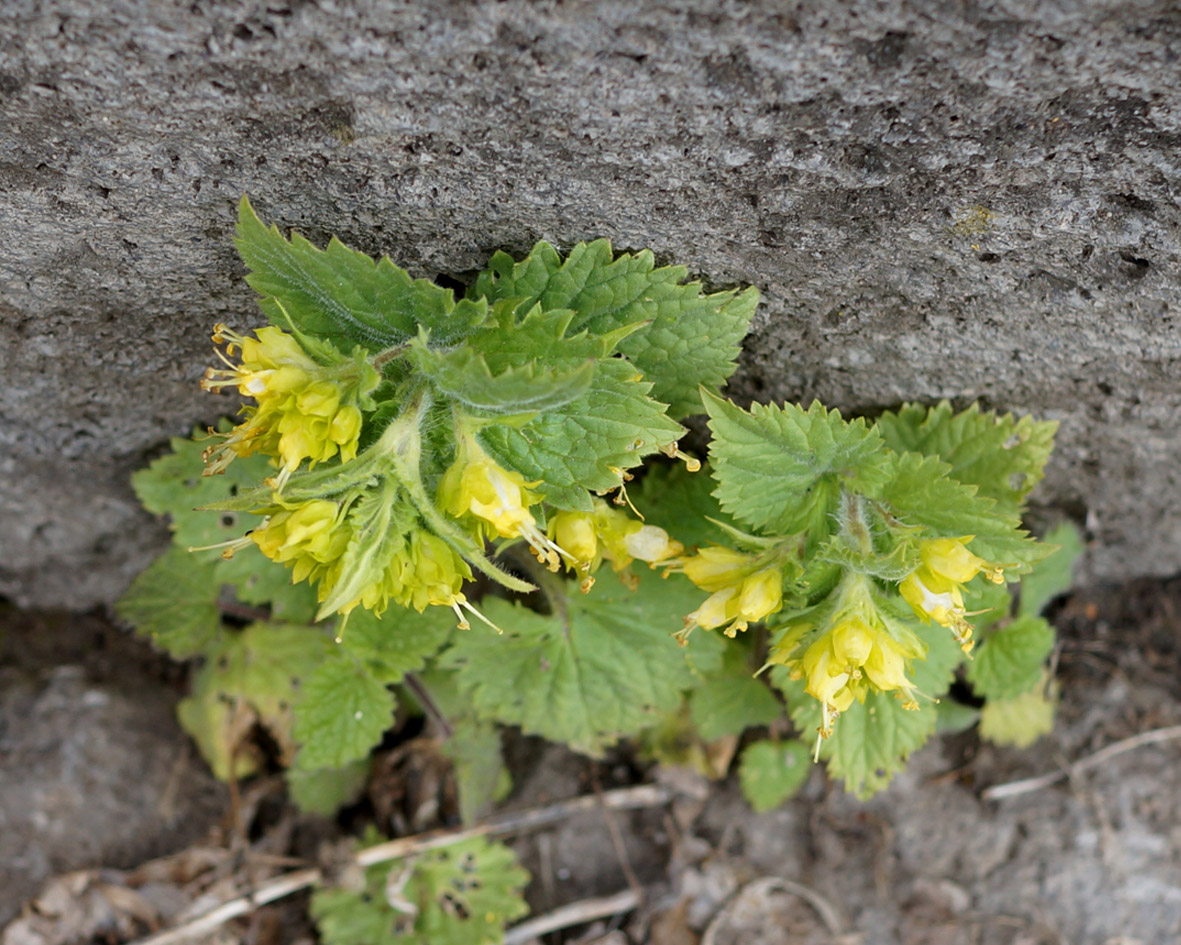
x: 94, y: 773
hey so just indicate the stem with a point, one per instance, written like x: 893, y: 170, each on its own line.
x: 854, y: 527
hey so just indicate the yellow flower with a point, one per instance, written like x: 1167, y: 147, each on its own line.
x: 934, y: 590
x: 608, y: 533
x: 303, y: 409
x: 743, y: 592
x: 851, y: 658
x: 309, y: 537
x: 499, y: 499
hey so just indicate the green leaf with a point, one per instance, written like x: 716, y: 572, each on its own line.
x: 682, y: 503
x: 922, y: 492
x: 600, y: 668
x: 1054, y: 575
x: 174, y: 486
x: 325, y: 790
x: 250, y: 679
x: 343, y: 711
x: 481, y: 777
x: 690, y: 339
x: 1009, y: 662
x: 1004, y: 457
x: 989, y: 603
x: 463, y: 894
x: 574, y: 448
x: 728, y: 705
x: 173, y: 603
x: 398, y: 642
x: 1019, y: 721
x: 770, y: 772
x: 259, y: 580
x: 872, y: 740
x: 343, y: 295
x: 781, y: 469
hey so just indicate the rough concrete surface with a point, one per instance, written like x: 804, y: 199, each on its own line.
x: 937, y: 199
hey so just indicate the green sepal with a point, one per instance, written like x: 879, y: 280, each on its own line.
x: 1010, y: 660
x: 1003, y: 456
x: 781, y: 470
x: 342, y: 713
x: 691, y: 337
x: 342, y: 295
x: 173, y: 603
x: 770, y: 772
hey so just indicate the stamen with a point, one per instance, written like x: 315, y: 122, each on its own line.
x: 673, y: 451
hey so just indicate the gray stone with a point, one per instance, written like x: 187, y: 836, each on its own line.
x: 964, y: 200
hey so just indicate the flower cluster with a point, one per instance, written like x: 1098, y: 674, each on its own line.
x: 607, y: 533
x: 495, y: 501
x: 935, y: 589
x: 848, y: 648
x: 303, y: 409
x: 744, y: 588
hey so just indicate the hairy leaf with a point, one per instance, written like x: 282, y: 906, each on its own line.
x: 1009, y: 662
x: 344, y: 296
x: 727, y: 705
x: 250, y: 679
x: 1003, y: 456
x: 324, y: 791
x: 1054, y: 575
x: 597, y: 669
x: 481, y: 777
x: 770, y: 772
x: 583, y: 445
x: 781, y: 469
x: 690, y: 338
x: 922, y: 492
x: 399, y: 641
x: 174, y: 604
x: 342, y: 712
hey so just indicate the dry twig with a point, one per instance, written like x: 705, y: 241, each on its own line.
x: 826, y: 910
x: 1154, y: 736
x: 576, y: 913
x: 647, y: 795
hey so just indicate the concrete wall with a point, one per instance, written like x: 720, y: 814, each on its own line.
x: 937, y: 199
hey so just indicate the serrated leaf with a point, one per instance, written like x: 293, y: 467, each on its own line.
x: 463, y: 375
x: 781, y: 469
x: 325, y: 790
x: 770, y: 772
x: 1003, y: 456
x: 250, y: 679
x: 682, y: 503
x: 871, y: 741
x: 342, y: 712
x: 463, y: 894
x: 481, y: 777
x: 173, y: 602
x: 600, y: 668
x: 1010, y: 660
x: 174, y: 486
x: 922, y: 492
x: 690, y: 338
x: 989, y: 603
x: 343, y: 295
x: 1019, y: 721
x: 1054, y: 575
x: 728, y: 705
x: 258, y: 580
x: 575, y: 448
x: 398, y: 642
